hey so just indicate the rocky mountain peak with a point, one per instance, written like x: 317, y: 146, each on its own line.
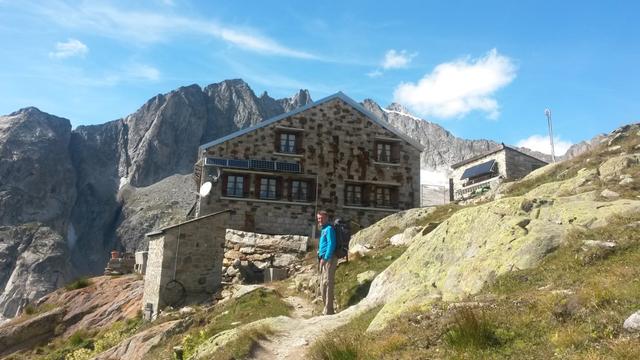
x: 301, y: 98
x: 399, y: 108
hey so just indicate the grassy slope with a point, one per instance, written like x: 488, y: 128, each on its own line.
x: 572, y: 306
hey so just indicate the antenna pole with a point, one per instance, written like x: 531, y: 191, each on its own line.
x: 547, y: 113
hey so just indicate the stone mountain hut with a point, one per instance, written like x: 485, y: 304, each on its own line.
x: 331, y: 154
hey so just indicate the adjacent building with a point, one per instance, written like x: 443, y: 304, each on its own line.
x: 483, y: 172
x: 331, y: 154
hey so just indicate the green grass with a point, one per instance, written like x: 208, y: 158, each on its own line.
x: 344, y: 343
x: 572, y: 306
x: 256, y: 305
x: 79, y: 283
x: 347, y: 290
x: 471, y: 331
x: 244, y: 346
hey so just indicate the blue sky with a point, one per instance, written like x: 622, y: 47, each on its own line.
x: 481, y: 69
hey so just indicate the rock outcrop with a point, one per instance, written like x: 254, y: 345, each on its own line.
x: 37, y: 193
x: 69, y: 197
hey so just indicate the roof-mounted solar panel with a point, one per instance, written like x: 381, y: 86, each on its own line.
x: 477, y: 170
x: 242, y: 164
x: 288, y: 167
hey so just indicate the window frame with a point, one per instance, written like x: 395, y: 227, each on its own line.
x: 287, y: 142
x: 271, y: 184
x: 383, y: 197
x: 235, y: 185
x: 297, y: 195
x: 386, y: 151
x: 351, y: 190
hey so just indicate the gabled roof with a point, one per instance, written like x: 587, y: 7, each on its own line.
x: 339, y: 95
x: 502, y: 147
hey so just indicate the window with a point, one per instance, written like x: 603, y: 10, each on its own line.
x: 268, y: 188
x: 353, y: 194
x: 384, y: 152
x: 235, y: 185
x: 288, y: 143
x: 383, y: 197
x: 299, y: 190
x: 387, y: 152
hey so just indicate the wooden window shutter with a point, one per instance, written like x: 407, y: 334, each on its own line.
x: 299, y: 143
x: 289, y: 189
x: 245, y: 185
x: 395, y: 152
x: 276, y: 142
x: 311, y: 191
x: 225, y: 182
x: 394, y: 197
x: 279, y: 186
x: 375, y: 151
x: 366, y: 194
x: 256, y: 186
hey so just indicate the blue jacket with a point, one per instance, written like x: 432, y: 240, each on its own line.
x: 327, y: 244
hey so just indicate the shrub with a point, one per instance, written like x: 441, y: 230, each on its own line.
x: 469, y: 330
x: 78, y: 284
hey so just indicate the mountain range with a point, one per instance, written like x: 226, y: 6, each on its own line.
x: 69, y: 196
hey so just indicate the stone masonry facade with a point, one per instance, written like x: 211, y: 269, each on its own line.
x: 510, y: 164
x: 354, y: 167
x: 184, y: 262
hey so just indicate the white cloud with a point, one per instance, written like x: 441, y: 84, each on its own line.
x: 374, y: 73
x: 143, y: 71
x: 71, y: 47
x: 147, y: 27
x: 453, y: 89
x: 541, y: 143
x: 396, y: 59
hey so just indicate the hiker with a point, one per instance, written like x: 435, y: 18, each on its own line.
x: 328, y: 262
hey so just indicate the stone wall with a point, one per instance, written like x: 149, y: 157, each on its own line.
x: 519, y: 164
x: 337, y: 148
x: 185, y: 261
x: 248, y: 254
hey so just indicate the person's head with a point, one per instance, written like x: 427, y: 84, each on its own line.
x: 323, y: 217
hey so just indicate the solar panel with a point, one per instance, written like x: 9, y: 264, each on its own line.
x: 263, y: 165
x: 279, y: 166
x: 216, y: 161
x: 288, y: 167
x: 243, y: 164
x: 480, y: 169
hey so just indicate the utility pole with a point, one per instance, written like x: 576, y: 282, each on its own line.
x: 547, y: 113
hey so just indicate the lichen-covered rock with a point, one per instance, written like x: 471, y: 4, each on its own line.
x: 477, y: 244
x: 615, y: 166
x: 379, y: 234
x: 582, y: 182
x: 138, y: 345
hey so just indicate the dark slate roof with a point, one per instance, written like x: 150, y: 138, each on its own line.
x: 338, y: 95
x: 502, y: 147
x: 478, y: 170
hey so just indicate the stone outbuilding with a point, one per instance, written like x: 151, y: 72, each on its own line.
x: 331, y: 154
x: 184, y: 262
x: 483, y: 172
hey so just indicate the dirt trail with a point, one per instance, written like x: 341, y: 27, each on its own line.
x: 293, y: 336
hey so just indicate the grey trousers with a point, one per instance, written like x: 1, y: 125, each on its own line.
x: 328, y: 275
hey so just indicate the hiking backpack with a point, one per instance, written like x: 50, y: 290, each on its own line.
x: 343, y: 236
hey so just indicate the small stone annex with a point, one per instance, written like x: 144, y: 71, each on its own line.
x: 483, y: 172
x: 332, y: 154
